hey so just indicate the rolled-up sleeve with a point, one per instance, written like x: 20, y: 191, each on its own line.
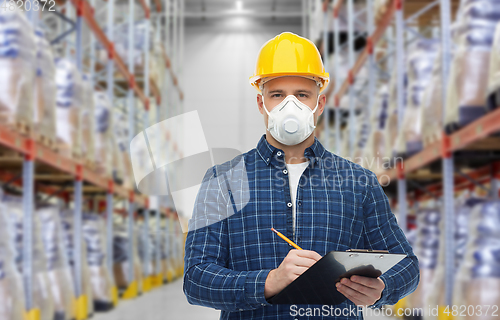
x: 207, y: 280
x: 382, y: 232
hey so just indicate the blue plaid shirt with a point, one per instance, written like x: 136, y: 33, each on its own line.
x: 230, y: 248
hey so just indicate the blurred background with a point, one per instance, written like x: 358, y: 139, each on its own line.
x: 414, y: 90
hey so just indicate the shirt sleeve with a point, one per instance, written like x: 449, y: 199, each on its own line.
x: 207, y: 280
x: 382, y: 232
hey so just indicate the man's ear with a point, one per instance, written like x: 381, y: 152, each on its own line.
x: 260, y: 103
x: 321, y: 104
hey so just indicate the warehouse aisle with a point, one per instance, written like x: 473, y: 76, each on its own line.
x: 167, y: 302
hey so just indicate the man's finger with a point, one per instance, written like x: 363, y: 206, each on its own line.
x: 353, y: 294
x: 299, y: 270
x: 309, y: 254
x: 358, y: 287
x: 366, y: 281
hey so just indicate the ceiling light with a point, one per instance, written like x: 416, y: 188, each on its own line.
x: 239, y: 5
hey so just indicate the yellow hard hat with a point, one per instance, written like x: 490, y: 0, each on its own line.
x: 288, y: 54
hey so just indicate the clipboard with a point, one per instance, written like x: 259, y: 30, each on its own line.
x: 317, y: 284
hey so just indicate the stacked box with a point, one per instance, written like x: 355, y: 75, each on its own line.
x: 88, y: 121
x: 44, y: 119
x: 494, y: 73
x: 67, y: 220
x: 463, y: 208
x: 426, y: 249
x: 121, y: 257
x: 421, y: 57
x: 103, y: 134
x: 12, y: 305
x: 58, y: 269
x: 70, y: 98
x: 375, y: 146
x: 100, y: 278
x: 42, y: 296
x: 470, y: 65
x: 18, y: 65
x: 478, y: 279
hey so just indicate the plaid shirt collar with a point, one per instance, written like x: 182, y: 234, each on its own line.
x: 271, y: 154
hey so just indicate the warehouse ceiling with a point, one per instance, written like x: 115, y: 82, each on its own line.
x: 254, y: 5
x: 266, y: 10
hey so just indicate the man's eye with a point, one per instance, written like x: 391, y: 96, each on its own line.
x: 302, y: 95
x: 276, y: 95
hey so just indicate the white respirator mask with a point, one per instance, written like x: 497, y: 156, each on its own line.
x: 291, y: 121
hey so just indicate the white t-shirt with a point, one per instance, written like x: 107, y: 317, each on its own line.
x: 294, y: 173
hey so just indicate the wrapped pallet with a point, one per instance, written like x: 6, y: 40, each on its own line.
x: 121, y: 256
x: 70, y: 97
x: 470, y: 64
x: 18, y: 65
x: 391, y: 128
x: 88, y: 121
x: 426, y: 250
x: 103, y: 133
x: 421, y: 57
x: 431, y: 111
x: 463, y: 208
x: 12, y: 305
x: 67, y: 223
x: 493, y: 98
x: 100, y: 278
x: 42, y: 297
x: 58, y: 269
x: 117, y: 142
x: 362, y: 134
x: 44, y: 120
x: 478, y: 280
x: 157, y: 65
x: 375, y: 146
x: 162, y: 248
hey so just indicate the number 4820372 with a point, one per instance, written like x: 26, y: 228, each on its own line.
x: 28, y: 5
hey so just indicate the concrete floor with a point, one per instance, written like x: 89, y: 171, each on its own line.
x: 167, y: 302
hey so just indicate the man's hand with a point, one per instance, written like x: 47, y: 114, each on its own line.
x: 294, y: 264
x: 363, y: 291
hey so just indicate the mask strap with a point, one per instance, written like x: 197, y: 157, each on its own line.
x: 264, y: 105
x: 317, y: 103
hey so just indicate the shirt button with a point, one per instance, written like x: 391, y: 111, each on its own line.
x: 241, y: 309
x: 263, y: 304
x: 285, y: 171
x: 300, y: 203
x: 267, y: 159
x: 289, y: 204
x: 279, y: 153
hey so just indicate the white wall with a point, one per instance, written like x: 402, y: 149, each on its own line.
x: 219, y: 59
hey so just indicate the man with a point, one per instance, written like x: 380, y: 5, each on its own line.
x: 290, y: 182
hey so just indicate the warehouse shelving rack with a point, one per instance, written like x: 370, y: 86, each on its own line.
x: 57, y: 168
x: 474, y: 136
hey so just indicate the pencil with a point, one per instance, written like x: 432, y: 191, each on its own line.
x: 286, y: 239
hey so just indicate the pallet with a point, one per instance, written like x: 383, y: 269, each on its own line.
x: 64, y: 150
x: 91, y: 164
x: 18, y: 126
x: 431, y: 138
x: 46, y: 141
x: 10, y: 154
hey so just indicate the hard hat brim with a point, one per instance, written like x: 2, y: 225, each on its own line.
x: 255, y: 80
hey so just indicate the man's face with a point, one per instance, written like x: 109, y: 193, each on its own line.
x: 276, y: 90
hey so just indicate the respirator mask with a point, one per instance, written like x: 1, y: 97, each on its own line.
x: 291, y: 121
